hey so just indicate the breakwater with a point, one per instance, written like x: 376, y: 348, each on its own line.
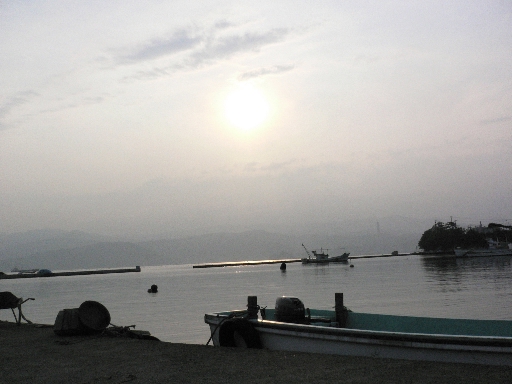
x: 244, y: 263
x: 257, y: 262
x: 70, y: 273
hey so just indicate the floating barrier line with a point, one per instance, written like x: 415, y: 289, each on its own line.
x: 256, y: 262
x: 244, y: 263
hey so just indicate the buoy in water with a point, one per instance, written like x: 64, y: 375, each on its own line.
x: 153, y: 289
x: 351, y: 265
x: 283, y: 267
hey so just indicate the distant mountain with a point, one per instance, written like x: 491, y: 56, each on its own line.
x: 99, y: 255
x: 56, y: 249
x: 18, y: 245
x: 217, y: 247
x: 389, y: 225
x: 60, y: 250
x: 261, y: 245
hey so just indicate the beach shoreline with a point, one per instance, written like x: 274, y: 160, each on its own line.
x: 33, y: 353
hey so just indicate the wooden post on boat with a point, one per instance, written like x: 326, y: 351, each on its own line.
x: 252, y: 307
x: 341, y: 313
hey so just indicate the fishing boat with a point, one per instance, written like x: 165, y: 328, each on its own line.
x: 291, y: 327
x: 495, y: 248
x: 322, y: 256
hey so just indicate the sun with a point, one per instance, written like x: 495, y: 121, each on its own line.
x: 246, y: 107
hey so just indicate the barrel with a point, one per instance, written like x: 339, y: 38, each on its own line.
x: 94, y: 315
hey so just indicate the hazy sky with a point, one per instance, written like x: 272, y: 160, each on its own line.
x: 153, y: 116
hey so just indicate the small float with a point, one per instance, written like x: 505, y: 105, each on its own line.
x: 291, y: 327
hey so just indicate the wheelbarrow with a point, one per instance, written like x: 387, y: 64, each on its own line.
x: 8, y: 300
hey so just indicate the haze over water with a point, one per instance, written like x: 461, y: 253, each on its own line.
x: 478, y: 288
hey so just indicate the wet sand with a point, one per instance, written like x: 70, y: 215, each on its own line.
x: 34, y: 354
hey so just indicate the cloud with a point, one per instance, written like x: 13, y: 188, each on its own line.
x: 73, y: 103
x: 497, y: 120
x: 181, y: 40
x: 224, y: 47
x: 223, y: 24
x: 155, y: 73
x: 205, y: 49
x: 271, y: 167
x: 277, y: 69
x: 13, y: 102
x: 251, y: 167
x: 16, y: 100
x: 278, y: 166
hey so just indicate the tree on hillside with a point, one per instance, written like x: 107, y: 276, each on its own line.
x: 473, y: 239
x: 441, y: 237
x: 501, y: 232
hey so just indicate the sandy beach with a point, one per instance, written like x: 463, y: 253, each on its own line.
x: 34, y: 354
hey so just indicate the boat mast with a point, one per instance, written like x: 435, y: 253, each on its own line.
x: 306, y: 250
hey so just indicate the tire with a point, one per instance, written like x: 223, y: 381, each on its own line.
x: 238, y: 333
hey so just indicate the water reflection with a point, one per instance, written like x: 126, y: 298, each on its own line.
x: 458, y: 270
x: 415, y: 286
x: 326, y: 269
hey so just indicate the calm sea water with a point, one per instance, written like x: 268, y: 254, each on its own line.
x: 478, y: 288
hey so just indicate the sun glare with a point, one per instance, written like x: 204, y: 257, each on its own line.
x: 246, y: 107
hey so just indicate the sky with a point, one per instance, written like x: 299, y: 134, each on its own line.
x: 138, y: 118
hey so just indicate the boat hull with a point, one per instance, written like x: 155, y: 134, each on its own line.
x: 482, y: 252
x: 488, y: 350
x: 323, y: 260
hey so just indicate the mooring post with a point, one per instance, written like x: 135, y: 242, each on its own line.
x: 252, y: 307
x: 341, y: 314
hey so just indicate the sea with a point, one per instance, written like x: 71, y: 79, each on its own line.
x: 414, y: 285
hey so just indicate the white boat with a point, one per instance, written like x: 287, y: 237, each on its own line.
x: 291, y: 327
x: 495, y: 249
x: 322, y: 256
x: 459, y: 252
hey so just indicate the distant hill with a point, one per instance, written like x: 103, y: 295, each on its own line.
x: 60, y: 250
x: 99, y: 255
x: 217, y: 247
x: 19, y: 245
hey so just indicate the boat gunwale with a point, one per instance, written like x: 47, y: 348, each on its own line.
x: 492, y: 341
x: 359, y: 334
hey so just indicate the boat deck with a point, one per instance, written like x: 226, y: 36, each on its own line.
x: 410, y: 324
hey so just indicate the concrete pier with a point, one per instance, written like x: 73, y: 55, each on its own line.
x: 70, y: 273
